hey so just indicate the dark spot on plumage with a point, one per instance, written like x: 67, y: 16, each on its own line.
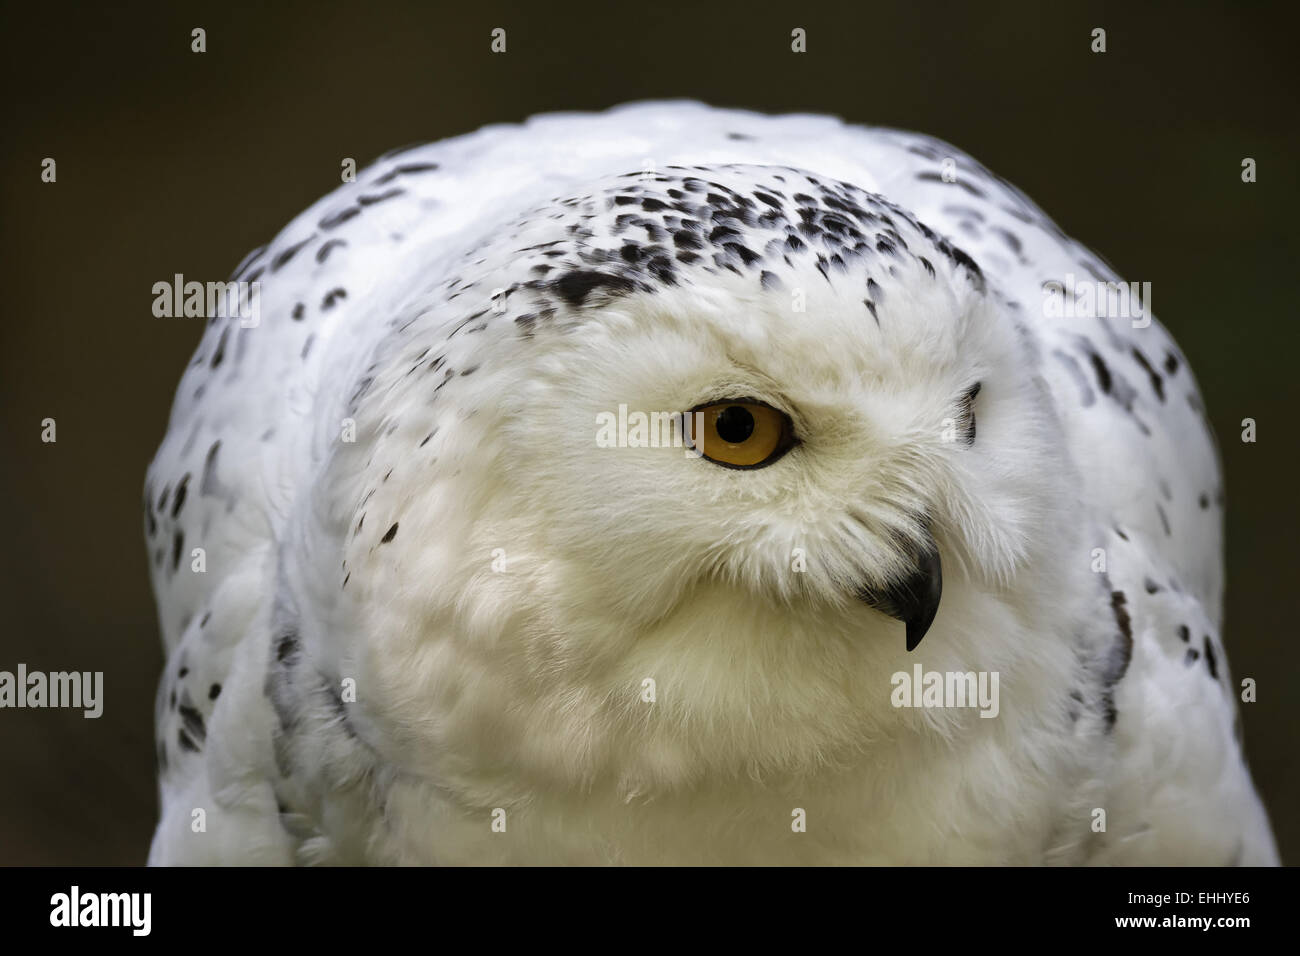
x: 323, y: 252
x: 871, y: 307
x: 1184, y: 633
x: 653, y: 205
x: 220, y: 353
x: 1118, y: 600
x: 389, y: 534
x: 687, y: 258
x: 183, y: 673
x: 404, y: 170
x: 178, y: 542
x: 1204, y: 502
x: 968, y: 412
x: 748, y: 256
x: 683, y: 239
x: 186, y: 743
x: 836, y: 226
x: 1171, y: 363
x: 769, y: 281
x: 171, y: 700
x: 1119, y: 656
x: 1211, y: 661
x: 331, y: 298
x: 1011, y: 239
x: 574, y: 287
x: 286, y: 647
x: 1150, y: 586
x: 592, y: 257
x: 340, y: 217
x: 179, y: 501
x: 624, y: 200
x: 380, y: 197
x: 214, y: 692
x: 306, y: 346
x: 1120, y: 531
x: 1102, y: 371
x: 1192, y: 656
x: 938, y: 178
x: 630, y: 253
x: 284, y: 257
x: 346, y: 578
x: 298, y: 312
x: 739, y: 136
x: 959, y: 257
x: 469, y: 371
x: 835, y: 202
x: 1157, y: 383
x: 1164, y: 520
x: 661, y: 267
x: 193, y: 722
x: 795, y: 244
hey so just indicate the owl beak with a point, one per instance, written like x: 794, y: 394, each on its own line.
x: 915, y: 599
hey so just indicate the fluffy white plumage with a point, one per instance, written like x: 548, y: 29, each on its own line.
x: 653, y: 256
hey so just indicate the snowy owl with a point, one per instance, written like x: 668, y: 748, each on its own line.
x: 675, y: 485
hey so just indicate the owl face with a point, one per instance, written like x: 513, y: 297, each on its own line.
x: 742, y: 430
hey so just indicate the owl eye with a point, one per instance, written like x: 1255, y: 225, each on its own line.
x: 740, y: 434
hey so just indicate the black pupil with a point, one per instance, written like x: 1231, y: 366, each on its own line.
x: 735, y: 424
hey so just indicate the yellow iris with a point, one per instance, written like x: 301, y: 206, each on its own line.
x: 740, y: 434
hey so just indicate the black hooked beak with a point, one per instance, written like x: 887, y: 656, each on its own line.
x: 915, y: 599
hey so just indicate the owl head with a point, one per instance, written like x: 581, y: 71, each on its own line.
x: 740, y: 435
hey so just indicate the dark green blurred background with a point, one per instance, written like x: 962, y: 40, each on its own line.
x: 169, y: 161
